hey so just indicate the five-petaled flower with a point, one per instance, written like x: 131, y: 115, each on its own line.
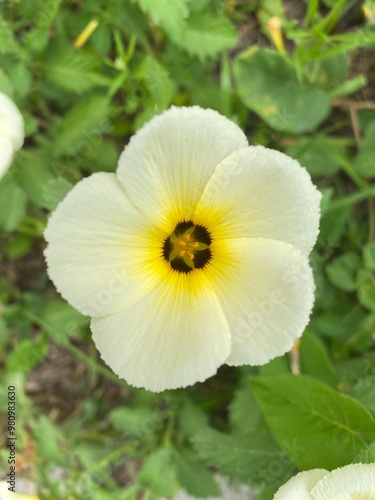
x: 354, y: 481
x: 11, y: 132
x: 194, y: 254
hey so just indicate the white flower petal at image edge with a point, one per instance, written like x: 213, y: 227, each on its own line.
x: 11, y: 132
x: 300, y: 485
x: 355, y: 481
x: 352, y: 482
x: 5, y: 494
x: 193, y: 255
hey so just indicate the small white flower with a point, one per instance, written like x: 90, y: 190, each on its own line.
x: 6, y: 494
x: 193, y: 255
x: 11, y: 132
x: 352, y: 482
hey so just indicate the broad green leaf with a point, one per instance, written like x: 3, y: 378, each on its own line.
x: 364, y: 392
x: 192, y: 419
x: 159, y: 84
x: 369, y: 255
x: 7, y: 41
x: 47, y: 441
x: 21, y: 77
x: 314, y: 359
x: 246, y: 458
x: 342, y: 271
x: 91, y: 453
x: 205, y: 34
x: 32, y: 172
x: 62, y: 319
x: 366, y: 294
x: 138, y: 421
x: 12, y: 203
x: 55, y: 191
x: 268, y: 85
x: 158, y: 473
x: 18, y: 246
x: 315, y: 425
x: 329, y: 72
x: 364, y: 162
x: 244, y: 411
x: 72, y: 71
x: 40, y: 13
x: 366, y: 455
x: 165, y: 13
x: 198, y: 5
x: 26, y: 355
x: 320, y: 155
x: 83, y: 126
x: 6, y: 86
x: 193, y: 476
x: 281, y: 364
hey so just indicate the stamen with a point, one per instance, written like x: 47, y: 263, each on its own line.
x: 187, y: 248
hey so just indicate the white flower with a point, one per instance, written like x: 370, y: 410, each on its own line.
x: 11, y: 132
x: 352, y: 482
x: 6, y: 494
x: 193, y: 255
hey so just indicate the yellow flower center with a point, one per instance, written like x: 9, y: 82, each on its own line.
x: 187, y: 248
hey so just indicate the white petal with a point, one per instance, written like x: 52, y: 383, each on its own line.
x: 266, y: 290
x: 11, y: 122
x: 174, y: 337
x: 259, y: 192
x: 102, y: 255
x: 6, y: 155
x: 167, y: 164
x: 300, y: 485
x: 355, y: 481
x: 6, y: 494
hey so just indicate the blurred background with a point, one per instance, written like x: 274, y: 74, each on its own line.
x: 297, y: 76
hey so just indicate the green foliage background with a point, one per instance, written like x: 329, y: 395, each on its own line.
x: 82, y: 433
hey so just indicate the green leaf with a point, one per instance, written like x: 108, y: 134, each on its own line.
x: 366, y: 295
x: 139, y: 421
x: 247, y: 458
x: 33, y: 174
x: 198, y: 5
x: 40, y: 13
x: 26, y: 355
x: 244, y: 411
x: 316, y: 425
x: 366, y: 455
x: 165, y: 13
x: 314, y: 359
x: 6, y: 86
x: 55, y: 191
x: 342, y: 271
x: 158, y: 473
x: 364, y: 392
x: 192, y: 418
x: 82, y: 126
x: 159, y: 84
x: 21, y: 78
x: 330, y: 72
x: 206, y: 34
x: 62, y: 319
x: 46, y: 438
x: 268, y: 85
x: 369, y: 255
x: 364, y: 162
x: 72, y: 71
x: 193, y: 476
x: 12, y: 203
x: 7, y: 41
x: 320, y: 155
